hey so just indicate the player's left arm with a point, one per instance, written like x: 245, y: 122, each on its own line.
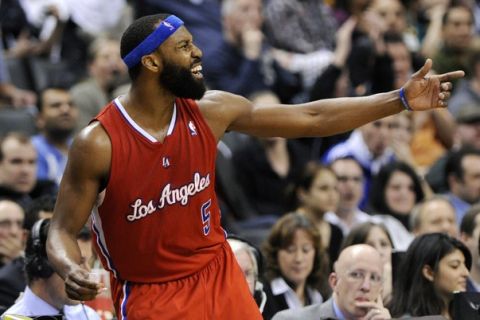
x: 226, y: 112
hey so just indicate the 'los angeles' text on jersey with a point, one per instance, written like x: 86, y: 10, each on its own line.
x: 169, y: 196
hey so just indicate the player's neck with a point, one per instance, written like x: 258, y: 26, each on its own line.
x: 152, y: 102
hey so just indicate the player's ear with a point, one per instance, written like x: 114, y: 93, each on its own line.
x: 151, y: 62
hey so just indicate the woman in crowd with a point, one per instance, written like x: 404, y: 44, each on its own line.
x: 396, y: 189
x: 377, y: 236
x: 316, y: 194
x: 296, y: 265
x: 433, y: 268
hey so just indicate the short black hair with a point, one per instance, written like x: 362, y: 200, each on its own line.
x: 377, y: 197
x: 468, y: 221
x: 65, y: 87
x: 135, y: 34
x: 454, y: 162
x: 45, y: 202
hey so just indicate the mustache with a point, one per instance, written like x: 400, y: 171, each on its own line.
x: 196, y: 61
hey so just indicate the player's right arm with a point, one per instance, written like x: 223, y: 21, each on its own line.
x: 86, y: 174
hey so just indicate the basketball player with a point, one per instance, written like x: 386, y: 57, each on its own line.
x: 152, y: 152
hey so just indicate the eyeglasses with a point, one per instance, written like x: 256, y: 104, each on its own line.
x: 360, y: 276
x: 356, y: 179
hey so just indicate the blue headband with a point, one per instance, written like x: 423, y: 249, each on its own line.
x: 166, y: 28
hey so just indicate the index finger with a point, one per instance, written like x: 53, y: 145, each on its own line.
x: 380, y: 300
x: 366, y: 304
x: 451, y: 75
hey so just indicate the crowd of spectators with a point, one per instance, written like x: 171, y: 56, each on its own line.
x: 407, y: 185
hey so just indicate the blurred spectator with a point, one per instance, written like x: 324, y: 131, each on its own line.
x: 18, y: 168
x: 238, y: 64
x: 457, y: 37
x: 357, y: 285
x: 431, y: 132
x: 296, y: 265
x: 12, y: 242
x: 393, y: 14
x: 40, y: 208
x: 470, y: 236
x: 348, y: 215
x: 99, y: 18
x: 433, y: 136
x: 334, y: 82
x: 462, y: 171
x: 369, y: 145
x: 468, y: 127
x: 41, y: 30
x: 250, y: 260
x: 435, y: 214
x: 401, y: 57
x: 425, y: 20
x: 377, y: 236
x: 344, y: 9
x: 433, y: 268
x: 350, y: 183
x: 12, y: 276
x: 107, y: 74
x: 266, y: 169
x: 11, y: 231
x: 56, y: 121
x: 45, y: 293
x: 317, y: 195
x: 467, y: 91
x: 402, y: 136
x: 15, y: 96
x: 395, y: 191
x: 302, y: 34
x: 467, y: 134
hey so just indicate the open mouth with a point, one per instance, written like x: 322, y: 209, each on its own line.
x: 197, y: 72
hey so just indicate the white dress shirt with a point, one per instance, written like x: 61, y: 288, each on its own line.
x: 279, y: 286
x: 29, y: 304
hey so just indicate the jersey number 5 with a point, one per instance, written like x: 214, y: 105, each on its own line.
x: 205, y: 213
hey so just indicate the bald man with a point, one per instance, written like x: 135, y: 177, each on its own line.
x: 356, y: 284
x: 435, y: 214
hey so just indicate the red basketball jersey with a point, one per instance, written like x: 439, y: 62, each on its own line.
x: 160, y: 220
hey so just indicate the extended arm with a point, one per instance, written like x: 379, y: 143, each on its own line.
x: 86, y: 172
x: 324, y: 117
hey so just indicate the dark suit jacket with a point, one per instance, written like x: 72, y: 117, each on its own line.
x: 12, y: 282
x: 274, y: 303
x: 325, y: 311
x: 322, y: 311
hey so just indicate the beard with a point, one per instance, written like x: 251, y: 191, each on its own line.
x: 60, y: 133
x: 181, y: 82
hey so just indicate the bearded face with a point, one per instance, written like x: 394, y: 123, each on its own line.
x: 182, y: 82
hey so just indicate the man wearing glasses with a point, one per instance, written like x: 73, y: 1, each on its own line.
x: 356, y: 284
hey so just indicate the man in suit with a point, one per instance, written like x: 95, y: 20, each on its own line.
x: 356, y: 284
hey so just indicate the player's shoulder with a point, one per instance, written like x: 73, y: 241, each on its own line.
x: 93, y: 137
x: 218, y: 98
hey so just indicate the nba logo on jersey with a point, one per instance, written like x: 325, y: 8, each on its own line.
x: 166, y: 162
x: 192, y: 128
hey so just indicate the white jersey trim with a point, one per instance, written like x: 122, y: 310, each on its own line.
x: 140, y: 129
x: 102, y: 244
